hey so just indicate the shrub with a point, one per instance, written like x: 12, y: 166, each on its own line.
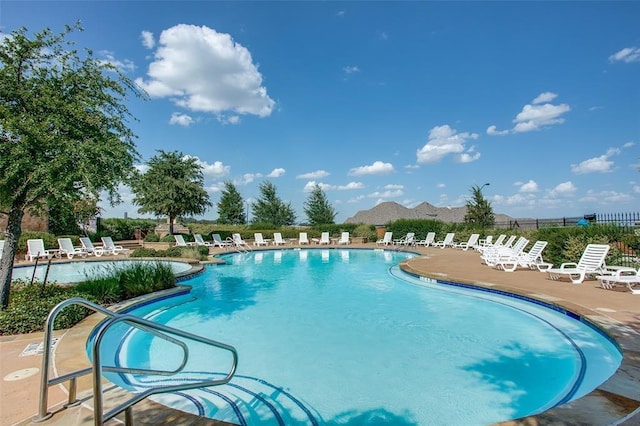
x: 124, y: 229
x: 145, y: 252
x: 366, y: 231
x: 151, y: 237
x: 50, y: 241
x: 106, y: 290
x: 28, y: 308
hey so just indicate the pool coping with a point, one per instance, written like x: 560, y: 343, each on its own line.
x: 615, y: 402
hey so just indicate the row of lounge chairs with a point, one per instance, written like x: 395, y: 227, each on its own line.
x: 37, y: 250
x: 236, y: 240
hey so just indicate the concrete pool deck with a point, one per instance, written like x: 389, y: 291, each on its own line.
x: 615, y: 402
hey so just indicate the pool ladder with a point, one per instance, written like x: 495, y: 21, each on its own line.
x: 159, y: 330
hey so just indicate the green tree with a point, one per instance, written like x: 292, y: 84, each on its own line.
x: 479, y: 210
x: 172, y: 186
x: 231, y: 206
x: 317, y: 207
x: 269, y: 208
x: 64, y: 132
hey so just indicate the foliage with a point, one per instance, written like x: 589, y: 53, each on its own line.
x: 365, y: 231
x: 173, y: 186
x: 270, y: 208
x: 64, y: 133
x: 479, y: 210
x: 317, y: 207
x: 62, y: 219
x: 28, y: 309
x: 231, y: 206
x: 125, y: 229
x: 420, y: 227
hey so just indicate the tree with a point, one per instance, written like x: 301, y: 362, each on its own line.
x: 64, y: 132
x: 172, y: 186
x: 269, y: 208
x: 317, y: 207
x: 479, y: 210
x: 231, y: 206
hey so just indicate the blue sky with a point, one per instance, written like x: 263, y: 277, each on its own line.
x: 381, y: 101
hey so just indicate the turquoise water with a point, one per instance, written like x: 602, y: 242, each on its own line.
x: 73, y: 272
x: 344, y: 337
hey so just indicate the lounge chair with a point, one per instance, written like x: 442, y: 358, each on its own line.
x: 258, y: 240
x: 277, y: 239
x: 428, y: 240
x: 407, y: 240
x: 447, y: 242
x: 498, y: 256
x: 180, y: 242
x: 386, y: 240
x: 217, y: 241
x: 344, y: 238
x: 197, y: 238
x: 303, y: 239
x: 66, y: 248
x: 488, y: 244
x: 471, y: 242
x: 324, y: 239
x: 35, y: 249
x: 1, y: 247
x: 628, y: 277
x: 89, y: 248
x: 531, y: 259
x: 592, y: 262
x: 109, y: 247
x: 237, y: 241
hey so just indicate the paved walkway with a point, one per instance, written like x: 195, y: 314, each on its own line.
x: 617, y: 401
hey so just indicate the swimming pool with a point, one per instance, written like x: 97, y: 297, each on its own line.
x: 343, y: 336
x: 74, y: 272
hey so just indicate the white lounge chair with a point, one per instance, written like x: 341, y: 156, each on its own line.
x: 386, y: 240
x: 407, y: 240
x: 217, y: 241
x: 66, y: 248
x: 89, y: 248
x: 488, y: 245
x: 592, y: 262
x: 447, y: 242
x: 277, y: 239
x: 499, y: 255
x: 344, y: 238
x: 471, y: 242
x: 35, y: 249
x: 180, y: 242
x: 109, y: 246
x: 303, y: 239
x: 324, y: 239
x: 258, y: 240
x: 532, y: 259
x: 1, y: 247
x: 239, y: 242
x: 628, y: 277
x: 197, y: 238
x: 428, y: 240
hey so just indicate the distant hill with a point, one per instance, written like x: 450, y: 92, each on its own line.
x: 390, y: 211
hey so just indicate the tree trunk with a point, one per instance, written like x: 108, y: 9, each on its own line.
x: 171, y: 225
x: 14, y: 229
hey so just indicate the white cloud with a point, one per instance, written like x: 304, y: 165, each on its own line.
x: 387, y: 194
x: 441, y: 185
x: 351, y: 69
x: 493, y: 131
x: 607, y: 197
x: 318, y: 174
x: 228, y: 119
x: 392, y: 186
x: 276, y: 173
x: 562, y: 190
x: 627, y: 55
x: 377, y: 168
x: 545, y: 97
x: 203, y: 70
x: 326, y: 187
x: 247, y: 178
x: 600, y: 164
x: 123, y: 65
x: 469, y: 156
x: 540, y: 113
x: 148, y: 40
x: 529, y: 187
x: 444, y: 140
x: 628, y: 144
x: 212, y: 171
x: 181, y: 119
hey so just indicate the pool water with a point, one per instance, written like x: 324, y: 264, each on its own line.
x: 74, y: 272
x: 345, y: 337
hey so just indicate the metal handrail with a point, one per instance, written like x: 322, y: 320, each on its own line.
x: 97, y: 369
